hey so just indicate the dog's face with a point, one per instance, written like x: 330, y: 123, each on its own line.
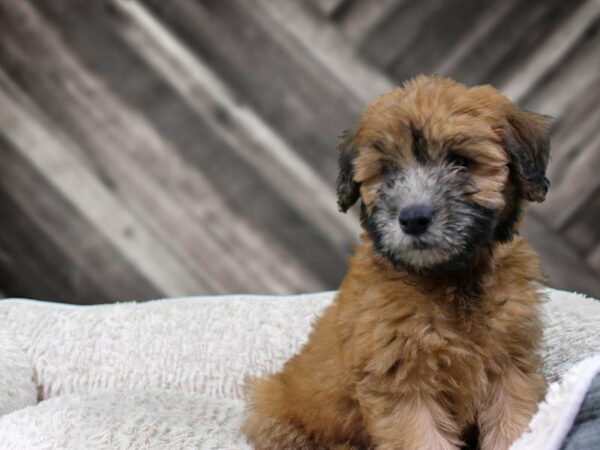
x: 441, y: 170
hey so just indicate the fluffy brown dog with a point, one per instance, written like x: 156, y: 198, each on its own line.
x: 435, y: 328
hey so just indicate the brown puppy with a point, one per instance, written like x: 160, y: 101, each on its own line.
x: 435, y: 328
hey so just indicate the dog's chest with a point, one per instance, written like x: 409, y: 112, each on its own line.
x: 430, y: 348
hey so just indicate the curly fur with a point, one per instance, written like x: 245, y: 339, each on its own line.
x: 429, y: 337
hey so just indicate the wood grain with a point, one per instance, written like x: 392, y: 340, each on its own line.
x: 153, y: 148
x: 42, y: 229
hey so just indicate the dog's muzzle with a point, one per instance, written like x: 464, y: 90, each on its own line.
x: 415, y: 219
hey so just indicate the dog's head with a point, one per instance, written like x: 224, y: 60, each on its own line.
x: 442, y: 170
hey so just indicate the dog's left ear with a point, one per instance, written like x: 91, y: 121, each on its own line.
x: 348, y: 190
x: 526, y: 140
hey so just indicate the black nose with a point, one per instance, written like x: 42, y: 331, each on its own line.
x: 415, y: 219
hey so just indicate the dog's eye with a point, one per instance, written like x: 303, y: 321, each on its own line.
x: 460, y: 161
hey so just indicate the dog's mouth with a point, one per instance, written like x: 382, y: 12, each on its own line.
x: 426, y: 258
x: 420, y: 244
x: 439, y: 248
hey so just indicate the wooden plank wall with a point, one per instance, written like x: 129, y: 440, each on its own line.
x: 152, y: 148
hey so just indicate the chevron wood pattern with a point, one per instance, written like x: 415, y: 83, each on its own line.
x: 152, y: 148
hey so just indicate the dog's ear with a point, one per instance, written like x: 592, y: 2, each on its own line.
x: 348, y: 190
x: 526, y: 140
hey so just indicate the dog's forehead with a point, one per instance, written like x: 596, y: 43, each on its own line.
x: 440, y: 112
x: 426, y: 120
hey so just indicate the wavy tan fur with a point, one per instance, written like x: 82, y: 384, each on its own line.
x: 410, y: 359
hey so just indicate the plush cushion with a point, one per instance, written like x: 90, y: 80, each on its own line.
x: 17, y: 388
x: 126, y: 419
x: 551, y: 424
x: 203, y: 344
x: 183, y: 358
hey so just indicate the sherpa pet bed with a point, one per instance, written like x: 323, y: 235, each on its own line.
x: 168, y: 374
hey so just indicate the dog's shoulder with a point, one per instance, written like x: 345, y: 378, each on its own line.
x: 517, y: 262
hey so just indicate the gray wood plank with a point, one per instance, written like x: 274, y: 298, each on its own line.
x: 562, y: 29
x: 359, y: 18
x: 396, y: 31
x: 228, y: 226
x: 208, y: 133
x: 579, y: 184
x: 446, y: 26
x: 243, y: 131
x: 572, y: 93
x: 574, y: 174
x: 576, y: 76
x: 329, y: 7
x: 488, y: 20
x: 35, y: 268
x: 53, y: 155
x: 48, y: 151
x: 515, y: 27
x: 582, y: 230
x: 594, y: 260
x: 573, y: 129
x: 269, y: 70
x: 327, y: 46
x: 564, y: 268
x: 49, y: 251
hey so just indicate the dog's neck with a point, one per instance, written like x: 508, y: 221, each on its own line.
x: 464, y: 285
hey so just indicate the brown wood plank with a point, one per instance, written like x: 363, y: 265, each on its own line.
x: 49, y: 251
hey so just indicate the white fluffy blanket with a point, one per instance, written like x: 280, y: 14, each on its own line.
x: 168, y: 374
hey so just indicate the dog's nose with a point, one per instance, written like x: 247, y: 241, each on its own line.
x: 415, y: 219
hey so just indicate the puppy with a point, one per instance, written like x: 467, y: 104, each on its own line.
x: 435, y: 328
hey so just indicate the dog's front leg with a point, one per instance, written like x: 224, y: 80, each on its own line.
x: 511, y: 402
x: 408, y: 422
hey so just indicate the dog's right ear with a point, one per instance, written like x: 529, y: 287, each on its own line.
x: 348, y: 190
x: 527, y: 142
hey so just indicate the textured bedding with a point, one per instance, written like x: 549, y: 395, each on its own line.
x: 169, y: 373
